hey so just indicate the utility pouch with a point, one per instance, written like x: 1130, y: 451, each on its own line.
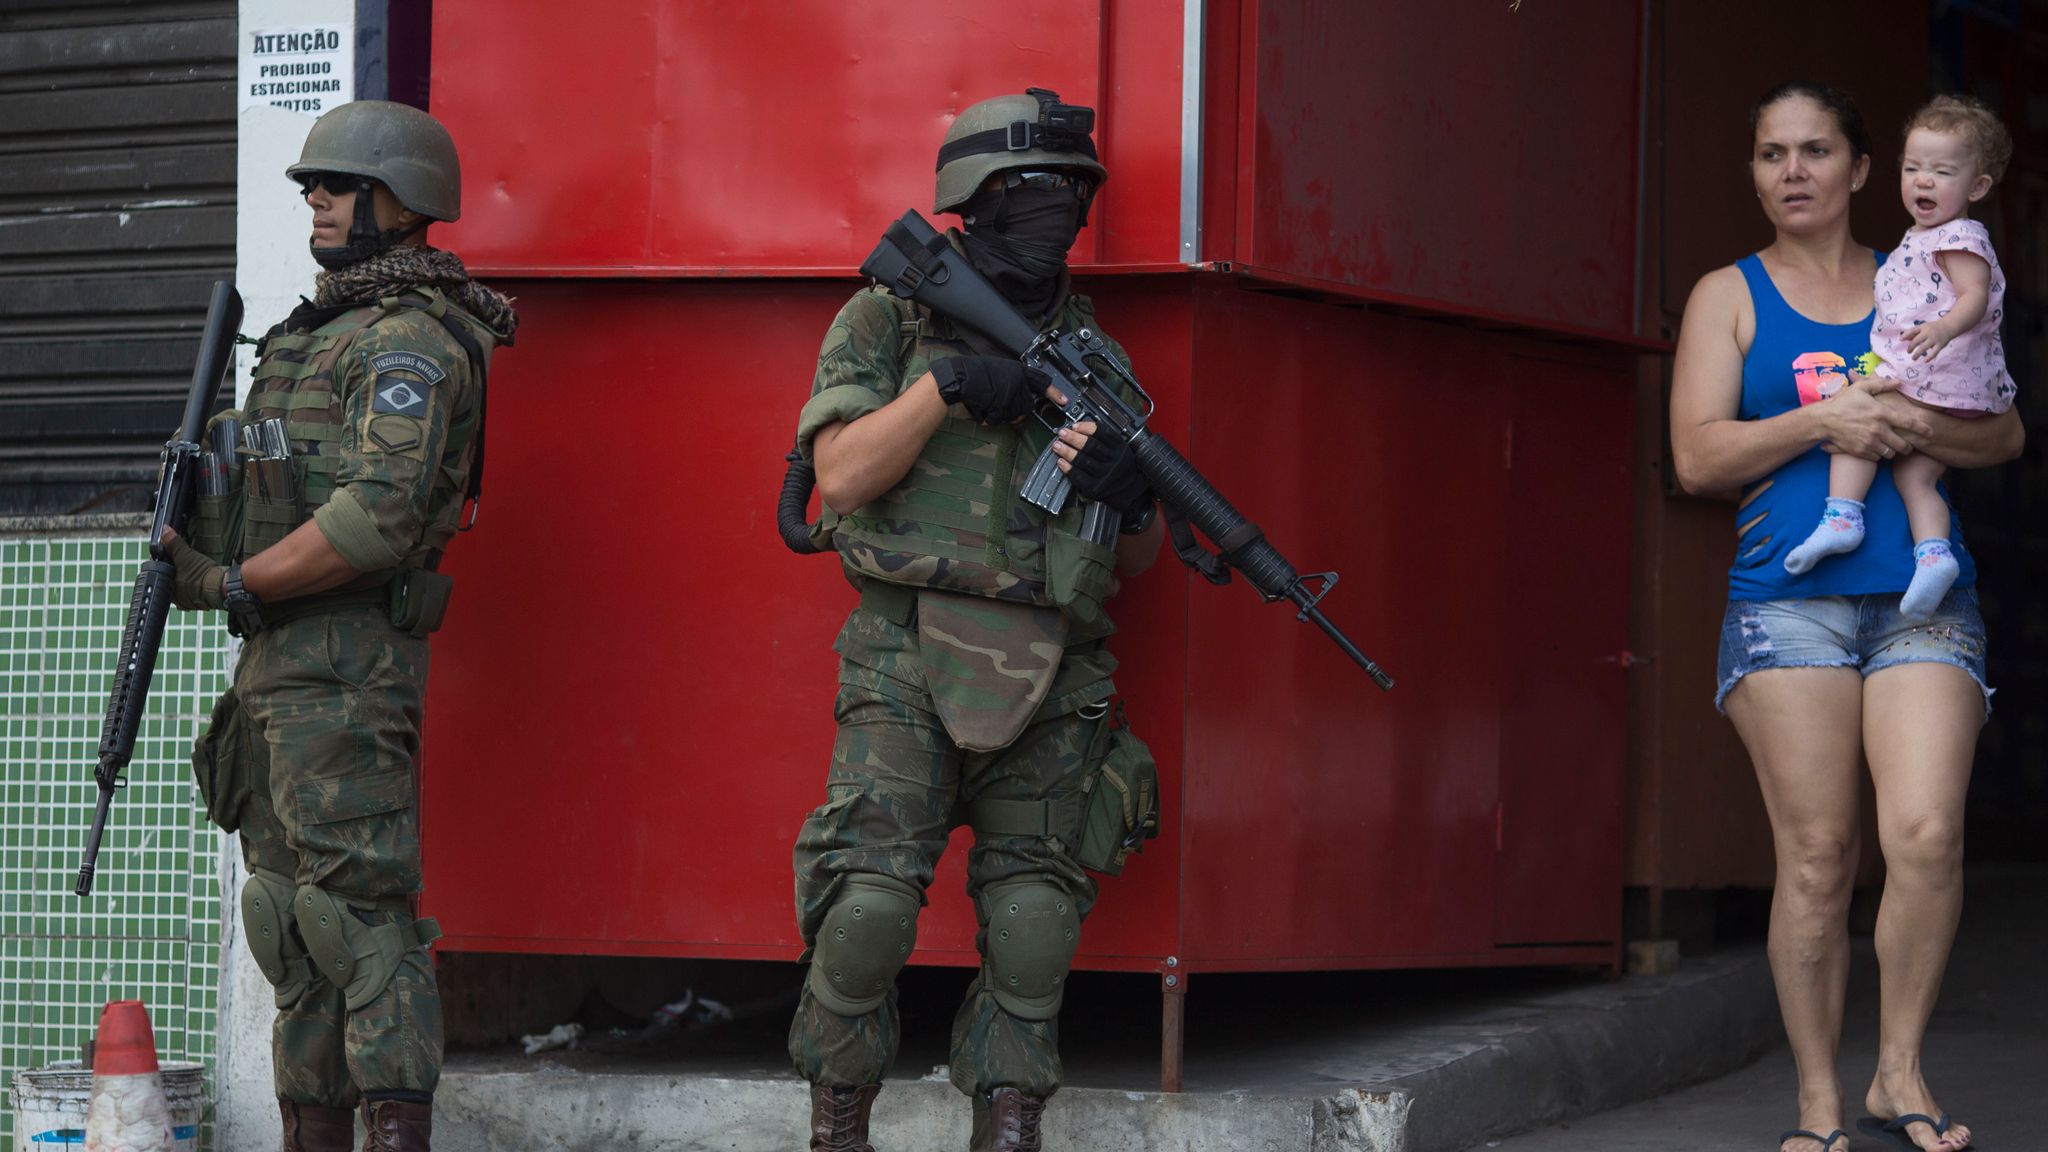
x: 419, y: 600
x: 1120, y: 809
x: 267, y: 520
x: 220, y: 763
x: 1077, y: 568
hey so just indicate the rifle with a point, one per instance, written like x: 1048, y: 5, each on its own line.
x: 150, y: 604
x: 916, y: 263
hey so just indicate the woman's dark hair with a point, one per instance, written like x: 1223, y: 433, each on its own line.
x: 1847, y: 116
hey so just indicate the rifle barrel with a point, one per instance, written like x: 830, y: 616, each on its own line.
x: 150, y: 604
x: 90, y: 865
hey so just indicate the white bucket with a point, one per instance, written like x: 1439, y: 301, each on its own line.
x: 49, y: 1105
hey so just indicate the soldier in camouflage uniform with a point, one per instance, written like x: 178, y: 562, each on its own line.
x: 311, y: 755
x: 974, y: 681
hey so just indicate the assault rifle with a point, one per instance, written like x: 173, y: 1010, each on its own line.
x: 150, y: 604
x: 916, y: 263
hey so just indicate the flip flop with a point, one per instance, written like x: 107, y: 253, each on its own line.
x: 1894, y: 1131
x: 1825, y: 1145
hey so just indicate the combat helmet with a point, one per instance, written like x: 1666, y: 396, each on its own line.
x: 1033, y: 130
x: 396, y: 145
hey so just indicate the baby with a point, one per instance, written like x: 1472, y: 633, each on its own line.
x: 1940, y: 297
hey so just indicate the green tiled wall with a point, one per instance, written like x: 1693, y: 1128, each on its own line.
x: 151, y: 929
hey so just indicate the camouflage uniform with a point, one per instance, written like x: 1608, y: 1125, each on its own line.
x: 993, y: 607
x: 311, y: 755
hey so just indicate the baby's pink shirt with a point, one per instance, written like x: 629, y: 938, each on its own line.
x: 1969, y: 373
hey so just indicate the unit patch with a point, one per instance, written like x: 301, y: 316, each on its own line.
x: 420, y: 366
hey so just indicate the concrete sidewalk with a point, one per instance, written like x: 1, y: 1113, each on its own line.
x: 1374, y: 1062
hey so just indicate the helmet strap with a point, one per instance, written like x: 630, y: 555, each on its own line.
x: 365, y: 239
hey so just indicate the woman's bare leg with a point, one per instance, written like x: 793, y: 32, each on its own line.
x: 1920, y: 724
x: 1803, y: 728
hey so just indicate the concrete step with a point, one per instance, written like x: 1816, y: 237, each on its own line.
x: 1435, y: 1084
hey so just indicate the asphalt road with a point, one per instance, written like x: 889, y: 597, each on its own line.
x: 1986, y: 1054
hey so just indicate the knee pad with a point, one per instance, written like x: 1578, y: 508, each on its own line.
x: 354, y: 954
x: 267, y: 919
x: 1034, y: 926
x: 864, y: 942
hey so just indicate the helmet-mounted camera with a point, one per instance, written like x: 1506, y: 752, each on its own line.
x: 1060, y: 127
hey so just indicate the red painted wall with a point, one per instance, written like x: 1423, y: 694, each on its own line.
x: 631, y: 704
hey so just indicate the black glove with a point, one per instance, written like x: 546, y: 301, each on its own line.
x: 1107, y: 471
x: 995, y: 389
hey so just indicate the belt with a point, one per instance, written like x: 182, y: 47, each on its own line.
x: 300, y: 607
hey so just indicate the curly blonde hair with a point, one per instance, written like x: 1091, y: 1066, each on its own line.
x: 1974, y: 120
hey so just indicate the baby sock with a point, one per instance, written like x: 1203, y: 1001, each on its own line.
x: 1934, y: 569
x: 1841, y: 530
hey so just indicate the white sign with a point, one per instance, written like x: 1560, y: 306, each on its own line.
x: 309, y: 69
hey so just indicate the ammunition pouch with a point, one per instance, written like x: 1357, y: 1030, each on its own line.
x: 220, y: 763
x: 215, y: 528
x: 864, y: 942
x: 418, y: 601
x: 267, y: 520
x: 357, y: 955
x: 1032, y: 929
x: 267, y: 919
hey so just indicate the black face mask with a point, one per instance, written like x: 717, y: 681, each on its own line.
x: 1018, y: 238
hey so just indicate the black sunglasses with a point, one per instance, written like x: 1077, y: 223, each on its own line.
x: 1080, y: 183
x: 336, y: 183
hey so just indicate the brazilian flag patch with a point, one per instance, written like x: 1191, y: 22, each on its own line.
x: 401, y: 381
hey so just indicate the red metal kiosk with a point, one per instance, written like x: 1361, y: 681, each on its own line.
x: 1377, y: 263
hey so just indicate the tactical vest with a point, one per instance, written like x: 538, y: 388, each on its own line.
x: 955, y: 521
x: 298, y: 380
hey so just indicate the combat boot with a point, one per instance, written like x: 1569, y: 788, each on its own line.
x: 316, y: 1127
x: 839, y: 1118
x: 397, y: 1125
x: 1007, y: 1122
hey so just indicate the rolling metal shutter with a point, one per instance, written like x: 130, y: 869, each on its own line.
x: 117, y: 212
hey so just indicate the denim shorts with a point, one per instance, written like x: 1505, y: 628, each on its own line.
x: 1861, y: 632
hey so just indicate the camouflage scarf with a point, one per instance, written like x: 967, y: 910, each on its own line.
x: 407, y: 266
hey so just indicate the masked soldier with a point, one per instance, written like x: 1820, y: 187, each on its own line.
x: 325, y: 564
x: 974, y: 683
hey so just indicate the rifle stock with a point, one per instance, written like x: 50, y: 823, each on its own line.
x: 149, y: 605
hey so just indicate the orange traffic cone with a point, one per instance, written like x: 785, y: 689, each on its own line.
x: 127, y: 1112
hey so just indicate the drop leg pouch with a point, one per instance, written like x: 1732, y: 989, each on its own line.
x: 1121, y: 808
x: 220, y: 763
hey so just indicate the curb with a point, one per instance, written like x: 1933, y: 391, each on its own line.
x: 1589, y: 1050
x: 1503, y: 1068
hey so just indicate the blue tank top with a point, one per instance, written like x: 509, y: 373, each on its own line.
x: 1793, y: 361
